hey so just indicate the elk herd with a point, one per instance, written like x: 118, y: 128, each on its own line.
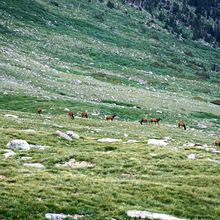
x: 85, y: 114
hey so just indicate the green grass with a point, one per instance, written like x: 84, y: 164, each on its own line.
x: 125, y: 176
x: 86, y: 57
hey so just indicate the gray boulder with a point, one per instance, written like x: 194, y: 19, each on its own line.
x: 18, y: 144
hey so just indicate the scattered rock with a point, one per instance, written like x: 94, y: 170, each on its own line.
x: 199, y: 125
x: 18, y: 144
x: 63, y: 135
x: 11, y: 116
x: 215, y: 161
x: 162, y: 143
x: 54, y: 216
x: 35, y: 165
x: 26, y: 158
x: 215, y: 151
x: 23, y: 145
x: 66, y: 110
x: 150, y: 215
x: 72, y: 134
x: 108, y: 140
x: 191, y: 156
x: 2, y: 177
x: 152, y: 154
x: 201, y: 147
x: 125, y: 135
x: 9, y: 153
x: 75, y: 164
x: 29, y: 131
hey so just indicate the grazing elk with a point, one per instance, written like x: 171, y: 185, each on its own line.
x: 217, y: 143
x: 84, y: 114
x: 71, y: 115
x: 39, y: 110
x: 155, y: 120
x: 110, y: 117
x: 143, y: 120
x: 182, y: 124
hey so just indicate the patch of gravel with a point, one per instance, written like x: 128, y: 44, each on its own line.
x: 35, y: 165
x: 10, y: 116
x: 26, y: 158
x: 75, y: 164
x: 150, y: 215
x: 54, y: 216
x: 109, y: 140
x: 158, y: 142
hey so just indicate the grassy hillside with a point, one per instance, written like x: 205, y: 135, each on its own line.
x: 82, y: 55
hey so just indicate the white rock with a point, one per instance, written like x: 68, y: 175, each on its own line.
x: 108, y: 140
x: 150, y: 215
x: 35, y: 165
x: 9, y: 153
x: 72, y: 134
x: 66, y: 110
x: 201, y: 125
x: 38, y: 146
x: 191, y: 156
x: 29, y: 131
x: 152, y: 154
x: 189, y: 145
x: 54, y: 216
x: 63, y: 135
x: 75, y: 164
x: 215, y: 161
x: 216, y: 151
x: 26, y: 158
x: 18, y: 144
x: 11, y: 116
x: 162, y: 143
x: 2, y: 177
x: 125, y: 135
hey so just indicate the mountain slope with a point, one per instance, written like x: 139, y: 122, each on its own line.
x: 105, y: 57
x: 187, y: 18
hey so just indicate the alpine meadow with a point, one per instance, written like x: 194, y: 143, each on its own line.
x: 109, y: 109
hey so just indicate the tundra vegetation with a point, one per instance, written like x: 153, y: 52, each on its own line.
x: 105, y: 58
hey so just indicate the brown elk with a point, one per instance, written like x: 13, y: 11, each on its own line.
x: 71, y: 115
x: 182, y: 124
x: 110, y: 117
x: 155, y: 120
x: 39, y: 110
x: 84, y: 114
x: 217, y: 143
x: 143, y: 120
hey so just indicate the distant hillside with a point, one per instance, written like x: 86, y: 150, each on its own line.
x: 195, y: 19
x: 69, y: 49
